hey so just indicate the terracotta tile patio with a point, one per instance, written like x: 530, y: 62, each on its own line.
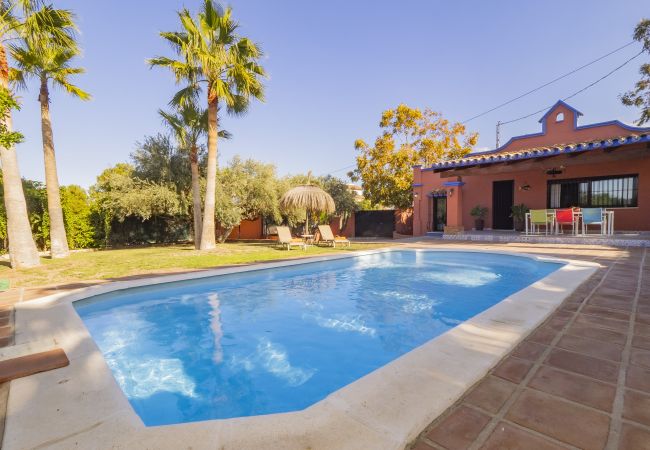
x: 581, y: 380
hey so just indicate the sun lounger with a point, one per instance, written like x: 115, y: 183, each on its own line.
x: 328, y: 237
x: 286, y: 240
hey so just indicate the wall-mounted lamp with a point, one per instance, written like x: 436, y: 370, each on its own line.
x: 555, y: 171
x: 525, y: 187
x: 450, y: 192
x: 415, y: 195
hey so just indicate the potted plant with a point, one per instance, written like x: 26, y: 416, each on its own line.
x: 519, y: 216
x: 479, y: 212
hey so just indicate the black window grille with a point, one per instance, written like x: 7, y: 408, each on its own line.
x: 619, y: 191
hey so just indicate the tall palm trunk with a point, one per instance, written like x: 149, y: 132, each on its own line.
x: 208, y: 230
x: 22, y: 249
x: 58, y: 239
x: 196, y: 195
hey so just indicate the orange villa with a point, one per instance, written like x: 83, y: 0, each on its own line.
x: 565, y: 165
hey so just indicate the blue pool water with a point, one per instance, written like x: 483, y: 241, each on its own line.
x: 282, y: 339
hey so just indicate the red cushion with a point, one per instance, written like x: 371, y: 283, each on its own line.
x: 564, y: 215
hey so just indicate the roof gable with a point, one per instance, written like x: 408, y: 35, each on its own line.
x: 559, y: 135
x: 558, y: 107
x: 560, y: 127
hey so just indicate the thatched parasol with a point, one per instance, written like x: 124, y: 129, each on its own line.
x: 308, y: 197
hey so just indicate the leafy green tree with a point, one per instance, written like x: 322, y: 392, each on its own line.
x: 344, y: 199
x: 42, y: 56
x: 77, y: 215
x: 119, y: 195
x: 365, y: 205
x: 125, y: 195
x: 255, y: 182
x: 39, y: 218
x: 102, y: 195
x: 228, y: 213
x: 640, y: 95
x: 247, y: 190
x: 76, y: 212
x: 409, y: 136
x: 158, y: 160
x: 213, y: 60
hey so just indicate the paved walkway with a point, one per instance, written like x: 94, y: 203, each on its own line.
x: 581, y: 380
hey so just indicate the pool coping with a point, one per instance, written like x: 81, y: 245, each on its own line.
x: 81, y: 405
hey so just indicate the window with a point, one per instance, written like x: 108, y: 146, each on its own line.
x: 606, y: 192
x: 559, y: 117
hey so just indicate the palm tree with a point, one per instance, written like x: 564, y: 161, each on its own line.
x: 39, y: 56
x: 189, y: 123
x: 212, y: 57
x: 22, y: 249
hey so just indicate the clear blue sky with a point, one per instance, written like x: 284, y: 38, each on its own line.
x: 333, y: 67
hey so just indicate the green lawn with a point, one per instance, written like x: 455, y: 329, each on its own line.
x: 109, y: 264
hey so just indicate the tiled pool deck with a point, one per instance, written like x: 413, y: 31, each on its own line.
x: 581, y: 380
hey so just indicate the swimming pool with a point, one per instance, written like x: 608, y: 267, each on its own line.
x: 282, y: 339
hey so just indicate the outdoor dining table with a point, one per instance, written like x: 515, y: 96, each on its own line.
x: 308, y: 238
x: 608, y: 221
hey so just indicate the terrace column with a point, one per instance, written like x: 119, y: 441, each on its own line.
x: 454, y: 207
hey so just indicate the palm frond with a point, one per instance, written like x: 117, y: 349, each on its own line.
x: 9, y: 21
x: 186, y: 95
x: 23, y: 58
x: 180, y: 69
x: 17, y: 78
x: 175, y: 123
x: 162, y: 61
x: 62, y: 82
x: 175, y: 39
x: 67, y: 71
x: 239, y: 106
x: 55, y: 24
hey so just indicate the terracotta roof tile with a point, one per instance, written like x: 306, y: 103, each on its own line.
x: 540, y: 152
